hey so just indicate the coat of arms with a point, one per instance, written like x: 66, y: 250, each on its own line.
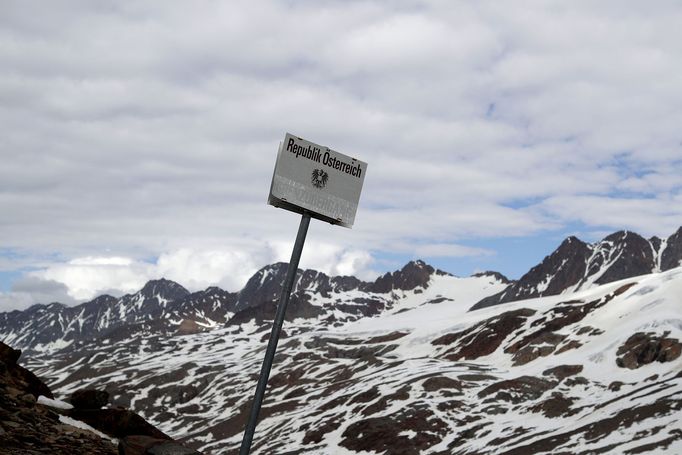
x: 319, y: 178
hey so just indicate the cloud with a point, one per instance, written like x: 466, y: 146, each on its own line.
x: 123, y: 138
x: 82, y: 279
x: 29, y: 290
x: 450, y: 250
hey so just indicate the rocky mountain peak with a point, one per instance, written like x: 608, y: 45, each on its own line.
x: 490, y: 273
x: 620, y: 255
x: 413, y: 275
x: 671, y: 256
x: 164, y: 289
x: 578, y: 265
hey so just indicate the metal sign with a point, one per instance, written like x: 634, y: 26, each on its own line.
x: 316, y: 182
x: 313, y: 178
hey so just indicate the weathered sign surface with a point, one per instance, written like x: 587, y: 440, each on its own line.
x: 310, y: 177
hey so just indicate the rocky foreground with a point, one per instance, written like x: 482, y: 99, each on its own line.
x: 32, y: 422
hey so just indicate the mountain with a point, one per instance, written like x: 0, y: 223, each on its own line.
x: 55, y: 326
x: 166, y: 307
x: 397, y: 366
x: 593, y: 371
x: 576, y: 265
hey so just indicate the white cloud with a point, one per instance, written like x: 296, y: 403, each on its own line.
x: 84, y: 278
x: 123, y: 138
x: 450, y: 250
x: 29, y: 290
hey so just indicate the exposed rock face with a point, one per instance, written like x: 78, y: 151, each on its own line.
x: 380, y: 434
x: 28, y: 428
x: 146, y: 445
x: 497, y: 275
x: 577, y: 265
x: 671, y: 256
x: 163, y: 289
x: 563, y: 371
x: 89, y: 399
x: 117, y: 422
x: 18, y: 377
x: 414, y: 274
x: 622, y: 254
x: 483, y: 338
x: 523, y: 388
x: 644, y: 348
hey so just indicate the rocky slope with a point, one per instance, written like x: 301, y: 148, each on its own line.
x: 578, y: 265
x: 32, y: 422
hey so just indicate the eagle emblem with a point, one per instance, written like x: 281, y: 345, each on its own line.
x: 319, y: 178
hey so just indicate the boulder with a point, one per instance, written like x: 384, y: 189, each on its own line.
x: 89, y: 399
x: 644, y: 348
x: 117, y: 423
x: 19, y: 377
x: 563, y: 371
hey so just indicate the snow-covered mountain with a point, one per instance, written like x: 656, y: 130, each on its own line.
x: 166, y: 307
x: 596, y: 371
x: 578, y: 265
x: 397, y: 366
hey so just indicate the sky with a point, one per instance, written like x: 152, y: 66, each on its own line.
x: 138, y: 139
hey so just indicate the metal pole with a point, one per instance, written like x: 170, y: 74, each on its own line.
x: 274, y: 335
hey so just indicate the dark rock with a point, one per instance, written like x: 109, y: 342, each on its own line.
x: 8, y: 355
x: 563, y: 371
x: 299, y: 307
x: 615, y: 386
x: 18, y: 376
x: 485, y: 337
x: 436, y: 383
x: 164, y: 289
x: 496, y: 275
x: 556, y: 405
x: 576, y: 380
x: 571, y: 344
x: 644, y: 348
x: 541, y: 346
x: 517, y: 390
x: 671, y: 257
x: 415, y: 274
x: 495, y: 409
x: 634, y: 257
x: 189, y: 327
x: 476, y: 377
x: 381, y: 434
x: 146, y: 445
x: 117, y: 423
x: 89, y: 399
x: 28, y: 428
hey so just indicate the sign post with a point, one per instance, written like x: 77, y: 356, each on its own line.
x: 316, y: 182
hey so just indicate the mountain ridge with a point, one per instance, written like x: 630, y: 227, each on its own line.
x: 165, y: 305
x: 576, y: 265
x: 397, y: 366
